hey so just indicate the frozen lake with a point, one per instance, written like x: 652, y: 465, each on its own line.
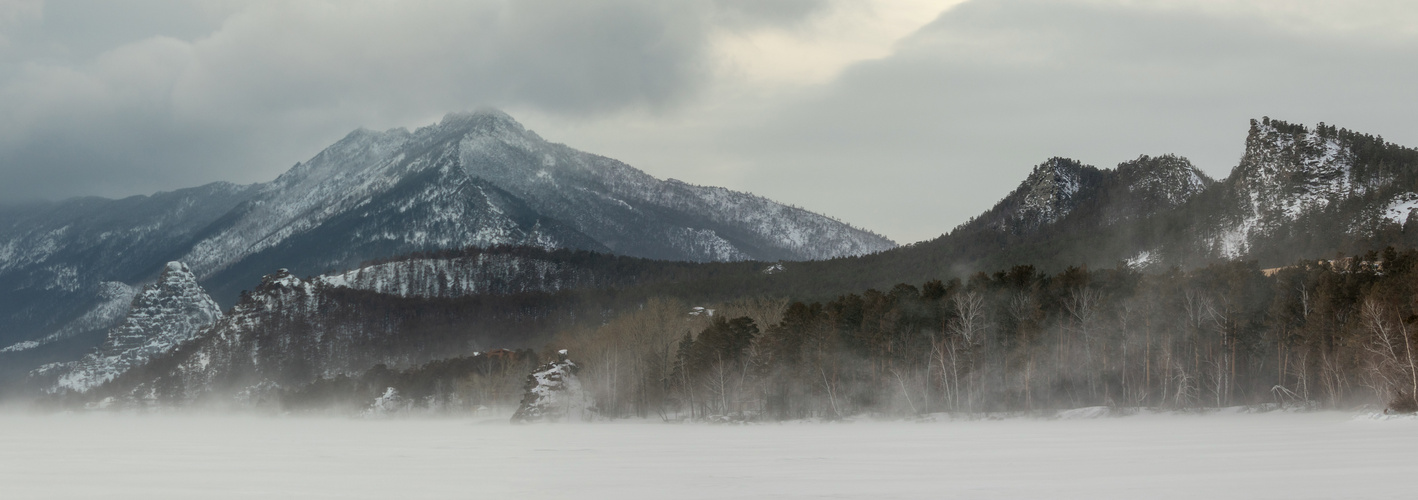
x: 1289, y: 456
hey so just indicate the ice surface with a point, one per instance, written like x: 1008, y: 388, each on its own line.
x: 1273, y: 455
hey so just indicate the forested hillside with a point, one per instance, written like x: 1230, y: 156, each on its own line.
x: 1296, y: 193
x: 1323, y: 333
x: 1314, y: 334
x: 1149, y: 285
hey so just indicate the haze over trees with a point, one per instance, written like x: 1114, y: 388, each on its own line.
x: 1148, y: 285
x: 1317, y: 333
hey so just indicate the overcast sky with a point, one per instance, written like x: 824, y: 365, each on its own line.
x: 905, y: 117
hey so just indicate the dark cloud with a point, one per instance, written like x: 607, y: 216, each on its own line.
x: 80, y: 29
x: 160, y: 95
x: 118, y: 101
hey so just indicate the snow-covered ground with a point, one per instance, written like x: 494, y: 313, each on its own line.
x: 1275, y: 455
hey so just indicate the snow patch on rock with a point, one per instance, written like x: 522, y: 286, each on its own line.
x: 1284, y: 176
x: 389, y: 403
x: 161, y: 317
x: 1144, y: 259
x: 1401, y: 208
x: 1052, y: 187
x: 554, y: 394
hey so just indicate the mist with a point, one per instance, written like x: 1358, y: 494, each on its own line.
x: 1159, y: 456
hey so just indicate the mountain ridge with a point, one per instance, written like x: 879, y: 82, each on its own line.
x: 1297, y: 192
x: 476, y: 178
x: 1153, y: 212
x: 161, y: 317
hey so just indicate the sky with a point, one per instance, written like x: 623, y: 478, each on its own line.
x: 904, y: 117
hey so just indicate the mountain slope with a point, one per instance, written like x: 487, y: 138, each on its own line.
x: 1151, y: 211
x: 62, y: 263
x: 1308, y: 192
x: 1065, y: 213
x: 474, y: 179
x: 1297, y: 192
x: 288, y: 332
x: 481, y: 179
x: 162, y: 317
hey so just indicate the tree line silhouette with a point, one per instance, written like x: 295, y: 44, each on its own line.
x: 1324, y: 333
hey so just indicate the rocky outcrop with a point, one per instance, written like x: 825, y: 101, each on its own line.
x: 554, y: 394
x: 163, y: 316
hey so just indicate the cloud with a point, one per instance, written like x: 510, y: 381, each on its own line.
x: 916, y: 142
x: 748, y: 14
x: 893, y: 115
x: 272, y: 82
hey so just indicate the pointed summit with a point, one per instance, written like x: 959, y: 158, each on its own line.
x: 475, y: 179
x: 1051, y: 191
x: 1290, y: 172
x: 481, y: 179
x: 484, y: 114
x: 1161, y: 182
x: 164, y: 315
x: 484, y: 120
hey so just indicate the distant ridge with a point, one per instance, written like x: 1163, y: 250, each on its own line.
x: 1296, y: 193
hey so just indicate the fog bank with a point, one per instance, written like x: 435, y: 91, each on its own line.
x: 1274, y: 455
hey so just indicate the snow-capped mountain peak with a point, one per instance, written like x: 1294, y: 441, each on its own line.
x: 482, y: 179
x: 481, y: 120
x: 474, y: 179
x: 1062, y: 189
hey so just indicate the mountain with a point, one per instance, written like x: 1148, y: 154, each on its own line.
x: 1296, y: 193
x: 1310, y: 192
x: 1065, y: 192
x: 474, y: 179
x: 69, y: 270
x: 1050, y: 192
x: 161, y: 317
x: 289, y: 332
x: 481, y: 179
x: 1149, y: 212
x: 1066, y: 213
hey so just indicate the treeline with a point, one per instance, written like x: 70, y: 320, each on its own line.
x: 465, y: 383
x: 1334, y: 333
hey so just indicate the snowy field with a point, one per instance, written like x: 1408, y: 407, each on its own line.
x: 1278, y: 455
